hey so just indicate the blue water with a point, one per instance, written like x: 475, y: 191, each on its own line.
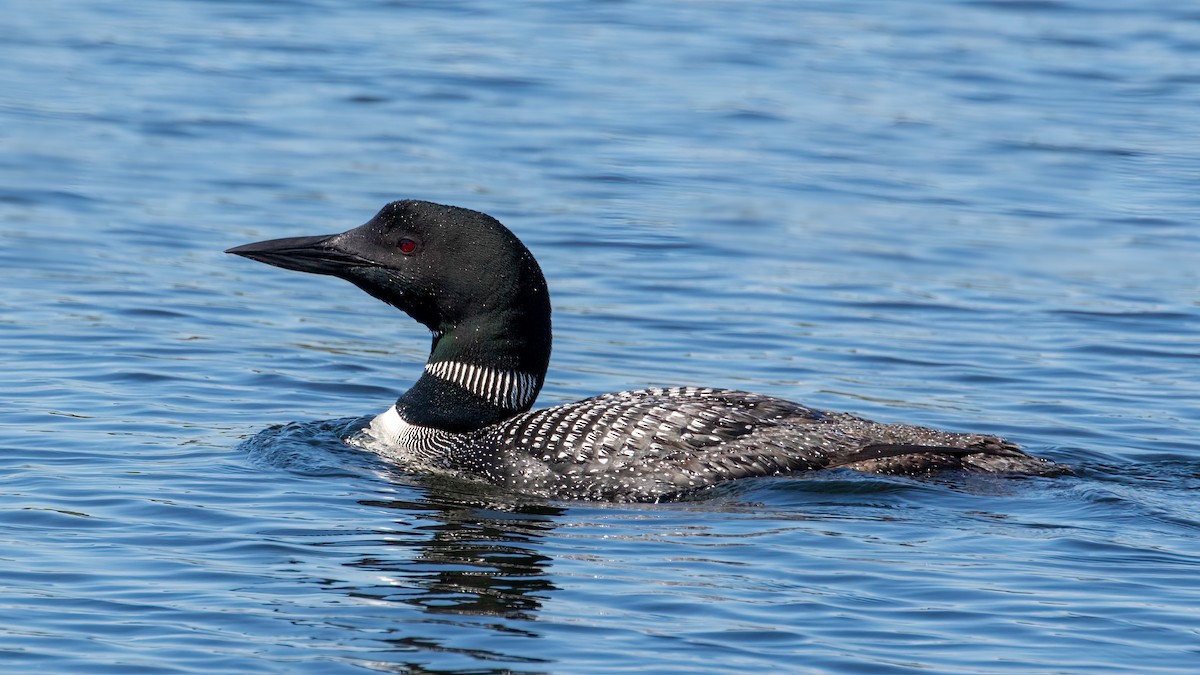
x: 977, y: 215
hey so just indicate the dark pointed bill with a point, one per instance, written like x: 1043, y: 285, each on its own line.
x: 318, y: 255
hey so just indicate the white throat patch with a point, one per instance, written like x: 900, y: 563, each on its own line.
x: 502, y: 388
x: 388, y: 427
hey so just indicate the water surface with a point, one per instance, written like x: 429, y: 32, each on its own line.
x: 972, y: 215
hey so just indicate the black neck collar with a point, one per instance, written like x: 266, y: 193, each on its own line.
x: 481, y: 373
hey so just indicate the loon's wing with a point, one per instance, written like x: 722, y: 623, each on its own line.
x: 902, y: 449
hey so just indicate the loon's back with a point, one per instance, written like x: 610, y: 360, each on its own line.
x: 652, y: 444
x: 480, y: 291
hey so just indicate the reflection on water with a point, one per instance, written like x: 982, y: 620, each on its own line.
x: 471, y: 561
x: 475, y: 560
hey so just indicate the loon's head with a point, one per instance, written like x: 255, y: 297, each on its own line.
x: 459, y: 272
x: 442, y: 265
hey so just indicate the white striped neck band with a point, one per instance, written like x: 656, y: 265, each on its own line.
x: 502, y: 388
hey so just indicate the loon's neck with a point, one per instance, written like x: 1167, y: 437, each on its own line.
x: 482, y: 370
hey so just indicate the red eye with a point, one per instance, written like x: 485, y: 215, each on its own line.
x: 407, y: 246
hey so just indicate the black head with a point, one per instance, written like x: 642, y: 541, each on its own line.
x: 440, y: 264
x: 459, y: 272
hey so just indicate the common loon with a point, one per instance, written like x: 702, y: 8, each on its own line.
x: 479, y: 290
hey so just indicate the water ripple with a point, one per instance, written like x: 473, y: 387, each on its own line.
x: 975, y: 215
